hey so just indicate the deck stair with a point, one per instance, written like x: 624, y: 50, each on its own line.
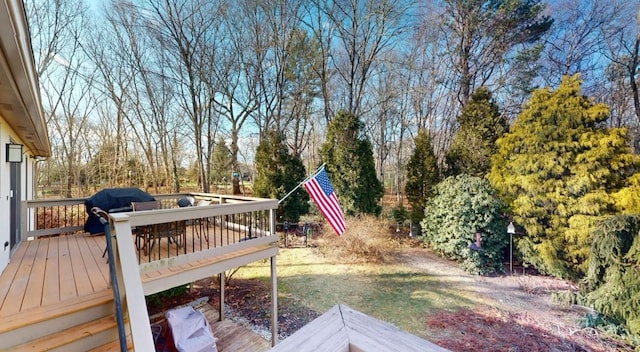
x: 82, y: 325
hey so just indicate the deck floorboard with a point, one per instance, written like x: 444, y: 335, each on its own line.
x: 33, y: 294
x: 51, y: 290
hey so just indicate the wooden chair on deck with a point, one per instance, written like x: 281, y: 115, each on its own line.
x: 174, y: 232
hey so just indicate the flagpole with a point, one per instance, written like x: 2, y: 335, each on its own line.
x: 301, y: 183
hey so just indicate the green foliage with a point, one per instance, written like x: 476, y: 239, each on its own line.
x: 558, y: 168
x: 350, y: 165
x: 399, y: 214
x: 480, y: 125
x: 613, y: 276
x: 627, y: 199
x: 461, y: 206
x: 277, y: 173
x: 157, y: 298
x: 422, y: 175
x: 221, y: 161
x: 488, y: 38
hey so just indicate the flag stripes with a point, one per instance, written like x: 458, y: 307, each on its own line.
x: 321, y: 191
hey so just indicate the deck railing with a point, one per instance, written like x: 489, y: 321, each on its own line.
x: 244, y: 226
x: 229, y: 232
x: 68, y: 215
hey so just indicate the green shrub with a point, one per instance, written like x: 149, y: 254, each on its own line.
x: 157, y: 298
x: 613, y: 277
x: 461, y: 206
x: 399, y: 214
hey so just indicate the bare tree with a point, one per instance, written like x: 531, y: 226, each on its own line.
x: 365, y: 31
x: 56, y: 28
x: 574, y: 42
x: 482, y: 34
x: 105, y: 46
x: 237, y: 74
x: 622, y: 48
x: 185, y: 29
x: 322, y: 32
x: 429, y: 81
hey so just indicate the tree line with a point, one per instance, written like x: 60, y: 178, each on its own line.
x: 155, y: 92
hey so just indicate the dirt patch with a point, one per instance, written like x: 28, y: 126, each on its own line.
x: 517, y: 315
x: 490, y: 329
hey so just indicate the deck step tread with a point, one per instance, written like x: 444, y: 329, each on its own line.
x: 113, y: 346
x: 67, y: 336
x: 26, y: 318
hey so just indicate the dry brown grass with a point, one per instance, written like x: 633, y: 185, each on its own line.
x: 367, y: 239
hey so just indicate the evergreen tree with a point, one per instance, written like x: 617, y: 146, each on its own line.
x: 221, y: 163
x: 277, y: 173
x: 480, y: 125
x: 422, y: 175
x: 558, y: 168
x: 349, y: 163
x: 613, y: 275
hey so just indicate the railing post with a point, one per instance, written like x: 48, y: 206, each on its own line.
x: 274, y: 284
x: 134, y: 292
x: 25, y: 220
x: 115, y: 284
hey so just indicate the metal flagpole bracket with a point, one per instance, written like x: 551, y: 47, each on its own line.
x: 301, y: 183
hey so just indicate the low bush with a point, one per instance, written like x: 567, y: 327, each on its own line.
x: 366, y: 239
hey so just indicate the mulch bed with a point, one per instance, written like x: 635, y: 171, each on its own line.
x: 488, y: 329
x: 248, y: 299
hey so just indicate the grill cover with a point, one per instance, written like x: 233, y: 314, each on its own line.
x: 112, y: 200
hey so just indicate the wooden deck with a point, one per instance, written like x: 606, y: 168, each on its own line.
x: 49, y: 276
x: 49, y: 271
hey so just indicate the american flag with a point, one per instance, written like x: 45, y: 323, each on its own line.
x: 321, y: 191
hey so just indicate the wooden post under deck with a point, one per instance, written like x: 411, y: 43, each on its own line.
x: 274, y: 303
x: 221, y: 306
x: 274, y: 285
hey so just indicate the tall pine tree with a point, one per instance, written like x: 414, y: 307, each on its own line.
x: 277, y: 173
x: 480, y: 125
x: 422, y: 175
x: 558, y: 168
x: 349, y: 163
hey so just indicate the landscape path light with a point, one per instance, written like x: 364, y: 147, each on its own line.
x: 511, y: 230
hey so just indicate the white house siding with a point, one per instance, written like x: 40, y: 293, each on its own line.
x: 25, y: 191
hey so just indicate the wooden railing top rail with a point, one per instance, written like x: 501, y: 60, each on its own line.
x: 160, y: 216
x: 44, y: 217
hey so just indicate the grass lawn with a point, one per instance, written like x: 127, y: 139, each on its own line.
x: 396, y: 294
